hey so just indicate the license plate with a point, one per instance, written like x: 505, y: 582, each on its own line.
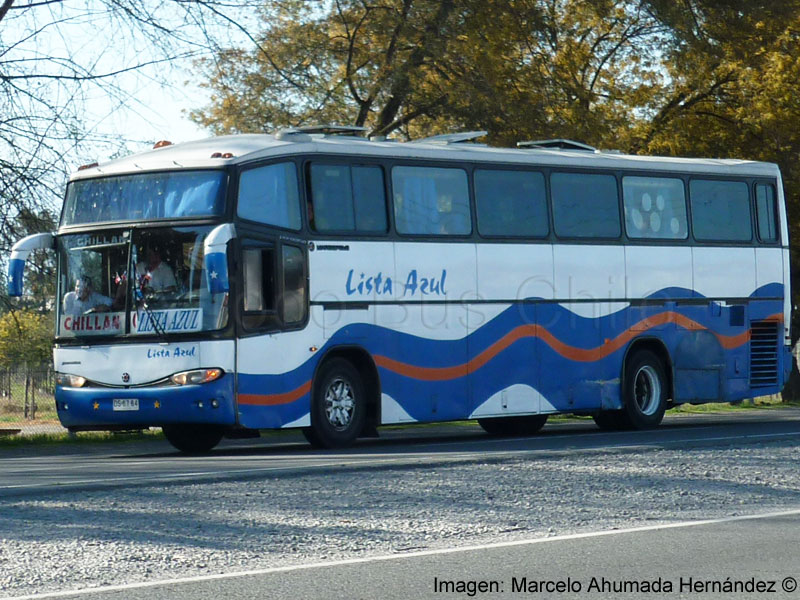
x: 126, y: 404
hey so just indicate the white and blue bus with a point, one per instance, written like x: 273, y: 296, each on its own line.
x: 332, y: 283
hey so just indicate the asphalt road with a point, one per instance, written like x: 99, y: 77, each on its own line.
x: 31, y: 471
x: 743, y: 556
x: 740, y: 557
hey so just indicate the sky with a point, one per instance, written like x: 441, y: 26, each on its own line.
x: 139, y: 106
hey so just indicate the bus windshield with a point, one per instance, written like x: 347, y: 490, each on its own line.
x: 140, y: 282
x: 144, y: 197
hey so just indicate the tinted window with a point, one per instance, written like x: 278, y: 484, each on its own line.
x: 269, y: 195
x: 767, y: 213
x: 167, y: 195
x: 431, y: 201
x: 511, y: 203
x: 720, y: 210
x: 585, y: 205
x: 347, y: 198
x: 655, y: 208
x: 294, y: 285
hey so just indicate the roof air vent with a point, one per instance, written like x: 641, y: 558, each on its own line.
x: 557, y: 144
x: 292, y: 133
x: 452, y: 138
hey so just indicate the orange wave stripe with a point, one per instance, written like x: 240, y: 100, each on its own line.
x: 565, y: 350
x: 275, y: 399
x: 775, y: 317
x: 516, y: 334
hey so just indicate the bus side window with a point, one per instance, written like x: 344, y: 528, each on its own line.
x: 511, y: 203
x: 655, y: 208
x: 269, y: 195
x: 766, y: 211
x: 293, y: 299
x: 345, y: 198
x: 585, y: 205
x: 431, y: 201
x: 258, y: 277
x: 720, y: 210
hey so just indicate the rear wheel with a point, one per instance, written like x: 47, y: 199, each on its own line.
x: 193, y: 439
x: 645, y: 391
x: 527, y: 425
x: 338, y: 406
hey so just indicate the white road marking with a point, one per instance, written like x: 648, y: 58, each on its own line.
x: 400, y: 556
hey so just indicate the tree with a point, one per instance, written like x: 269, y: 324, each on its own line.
x: 50, y: 73
x: 418, y: 67
x: 25, y: 338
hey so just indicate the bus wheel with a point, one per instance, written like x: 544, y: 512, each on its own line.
x: 338, y: 406
x: 610, y: 420
x: 193, y: 439
x: 645, y: 391
x: 527, y: 425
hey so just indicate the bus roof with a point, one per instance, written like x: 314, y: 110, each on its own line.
x: 239, y: 149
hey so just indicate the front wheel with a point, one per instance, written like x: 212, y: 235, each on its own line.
x: 645, y: 391
x: 338, y: 406
x: 610, y: 420
x: 527, y: 425
x: 193, y: 439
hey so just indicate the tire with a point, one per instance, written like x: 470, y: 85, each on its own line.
x: 610, y: 420
x: 338, y: 406
x: 644, y: 391
x: 527, y: 425
x: 193, y: 439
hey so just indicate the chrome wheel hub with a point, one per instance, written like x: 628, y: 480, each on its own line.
x: 647, y: 390
x: 339, y: 403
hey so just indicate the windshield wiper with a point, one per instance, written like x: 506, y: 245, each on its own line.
x: 138, y: 296
x: 160, y: 331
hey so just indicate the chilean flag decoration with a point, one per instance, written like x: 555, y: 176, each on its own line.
x: 217, y: 272
x: 16, y: 267
x: 216, y: 258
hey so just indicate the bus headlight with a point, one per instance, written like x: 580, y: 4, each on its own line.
x: 196, y: 376
x: 66, y: 380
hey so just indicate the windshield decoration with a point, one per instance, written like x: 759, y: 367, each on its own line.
x: 167, y: 321
x: 19, y: 254
x: 216, y: 258
x: 16, y: 268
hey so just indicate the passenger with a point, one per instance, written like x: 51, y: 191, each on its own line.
x: 84, y: 299
x: 156, y: 276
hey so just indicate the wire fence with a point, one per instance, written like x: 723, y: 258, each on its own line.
x: 27, y: 402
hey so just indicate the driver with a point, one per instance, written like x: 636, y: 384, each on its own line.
x: 156, y: 275
x: 84, y: 299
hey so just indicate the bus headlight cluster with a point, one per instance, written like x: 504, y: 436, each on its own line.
x: 66, y: 380
x: 196, y: 376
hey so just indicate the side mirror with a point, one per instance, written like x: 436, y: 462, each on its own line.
x: 19, y: 254
x: 215, y: 249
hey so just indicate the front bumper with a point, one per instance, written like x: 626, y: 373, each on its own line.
x: 93, y: 407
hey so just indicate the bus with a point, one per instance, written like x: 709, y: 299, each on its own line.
x: 320, y: 280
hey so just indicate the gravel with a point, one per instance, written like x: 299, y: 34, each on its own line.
x: 81, y: 539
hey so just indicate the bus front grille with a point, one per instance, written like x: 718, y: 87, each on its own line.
x: 763, y: 353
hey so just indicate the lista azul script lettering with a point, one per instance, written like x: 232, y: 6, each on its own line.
x: 176, y: 352
x: 379, y: 284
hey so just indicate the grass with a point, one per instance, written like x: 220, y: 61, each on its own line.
x: 764, y: 402
x: 84, y: 437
